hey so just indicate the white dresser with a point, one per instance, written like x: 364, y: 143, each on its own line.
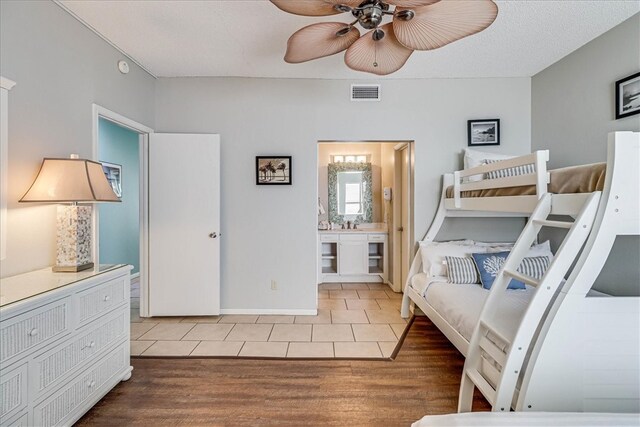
x: 64, y: 343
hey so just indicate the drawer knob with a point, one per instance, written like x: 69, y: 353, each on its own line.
x: 33, y: 332
x: 106, y: 298
x: 90, y: 345
x: 91, y: 384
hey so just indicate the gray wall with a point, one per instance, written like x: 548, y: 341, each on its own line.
x: 120, y: 222
x: 571, y: 114
x: 61, y: 68
x: 270, y: 232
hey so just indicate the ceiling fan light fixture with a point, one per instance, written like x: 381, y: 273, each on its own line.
x: 378, y: 34
x: 405, y: 15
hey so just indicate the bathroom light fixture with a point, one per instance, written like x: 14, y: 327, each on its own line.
x: 71, y: 181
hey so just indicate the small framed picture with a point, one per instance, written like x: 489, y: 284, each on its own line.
x: 113, y: 172
x: 273, y: 170
x: 628, y: 96
x: 483, y: 132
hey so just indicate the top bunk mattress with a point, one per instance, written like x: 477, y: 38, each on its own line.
x: 572, y: 179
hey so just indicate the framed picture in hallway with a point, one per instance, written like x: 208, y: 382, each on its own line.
x: 273, y: 170
x: 113, y: 172
x: 483, y: 132
x: 628, y: 96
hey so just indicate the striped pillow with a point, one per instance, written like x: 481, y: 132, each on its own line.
x: 514, y: 171
x: 534, y: 266
x: 461, y: 270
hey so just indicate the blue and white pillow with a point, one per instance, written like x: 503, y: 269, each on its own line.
x: 489, y: 264
x: 461, y: 270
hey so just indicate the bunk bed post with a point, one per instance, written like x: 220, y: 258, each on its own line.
x: 542, y: 176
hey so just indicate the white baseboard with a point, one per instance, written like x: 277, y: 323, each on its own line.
x: 286, y: 312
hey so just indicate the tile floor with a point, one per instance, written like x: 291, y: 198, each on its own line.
x: 355, y: 320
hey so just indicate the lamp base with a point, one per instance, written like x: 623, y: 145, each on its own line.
x: 73, y: 238
x: 71, y: 268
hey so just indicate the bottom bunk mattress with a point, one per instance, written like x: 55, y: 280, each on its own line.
x: 460, y: 305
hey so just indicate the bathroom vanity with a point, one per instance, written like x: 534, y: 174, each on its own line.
x: 358, y: 255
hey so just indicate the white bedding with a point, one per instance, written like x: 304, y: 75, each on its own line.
x: 460, y: 305
x: 543, y: 419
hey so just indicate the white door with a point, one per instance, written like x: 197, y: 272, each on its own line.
x: 404, y: 216
x: 353, y: 258
x: 184, y: 224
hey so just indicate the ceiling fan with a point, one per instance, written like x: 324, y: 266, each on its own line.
x: 415, y: 25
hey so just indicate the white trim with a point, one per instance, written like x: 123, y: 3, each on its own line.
x: 144, y: 131
x: 274, y: 311
x: 7, y: 84
x: 103, y: 37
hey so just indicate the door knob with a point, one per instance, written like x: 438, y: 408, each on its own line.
x: 213, y: 235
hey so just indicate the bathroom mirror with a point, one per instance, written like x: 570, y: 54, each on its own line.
x: 350, y: 197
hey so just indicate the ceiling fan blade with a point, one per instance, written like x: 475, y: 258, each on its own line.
x: 313, y: 7
x: 377, y: 57
x: 444, y: 22
x: 319, y: 40
x: 411, y: 3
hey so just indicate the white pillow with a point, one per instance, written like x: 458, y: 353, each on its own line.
x: 542, y: 249
x: 433, y: 254
x: 473, y: 158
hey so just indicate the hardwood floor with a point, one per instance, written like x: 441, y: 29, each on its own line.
x: 423, y: 379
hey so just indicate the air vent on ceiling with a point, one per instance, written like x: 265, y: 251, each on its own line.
x: 365, y: 92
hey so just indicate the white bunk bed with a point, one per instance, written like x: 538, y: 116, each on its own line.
x: 562, y: 347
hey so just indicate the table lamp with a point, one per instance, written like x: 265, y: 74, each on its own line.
x: 71, y: 181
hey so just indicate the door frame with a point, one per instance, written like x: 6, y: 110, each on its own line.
x: 397, y: 214
x: 399, y: 144
x: 143, y: 131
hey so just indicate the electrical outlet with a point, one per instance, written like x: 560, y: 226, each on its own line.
x: 274, y: 285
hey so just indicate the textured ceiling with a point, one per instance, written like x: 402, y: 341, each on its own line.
x: 248, y: 38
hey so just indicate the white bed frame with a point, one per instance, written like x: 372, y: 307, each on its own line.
x: 548, y: 361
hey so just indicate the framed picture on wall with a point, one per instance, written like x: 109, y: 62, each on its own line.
x: 483, y: 132
x: 273, y: 170
x: 113, y: 172
x: 628, y: 96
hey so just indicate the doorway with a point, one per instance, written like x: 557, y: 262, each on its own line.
x: 120, y: 230
x: 380, y: 202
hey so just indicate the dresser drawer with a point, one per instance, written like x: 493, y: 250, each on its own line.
x: 65, y: 404
x: 353, y: 237
x: 21, y: 421
x: 328, y: 237
x: 33, y: 329
x: 93, y: 340
x: 99, y: 299
x: 13, y: 391
x: 377, y: 237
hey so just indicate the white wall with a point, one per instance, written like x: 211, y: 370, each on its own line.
x: 270, y: 232
x: 572, y: 113
x: 61, y: 68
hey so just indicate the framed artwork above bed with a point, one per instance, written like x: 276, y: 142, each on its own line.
x: 628, y: 96
x: 483, y: 132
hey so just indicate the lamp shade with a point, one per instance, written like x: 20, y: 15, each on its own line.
x: 70, y: 180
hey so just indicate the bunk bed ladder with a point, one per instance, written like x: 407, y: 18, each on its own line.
x: 495, y: 359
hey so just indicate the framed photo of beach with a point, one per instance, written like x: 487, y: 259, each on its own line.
x: 273, y: 170
x: 628, y: 96
x: 483, y: 132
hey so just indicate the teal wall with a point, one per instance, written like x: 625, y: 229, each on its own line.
x: 119, y: 222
